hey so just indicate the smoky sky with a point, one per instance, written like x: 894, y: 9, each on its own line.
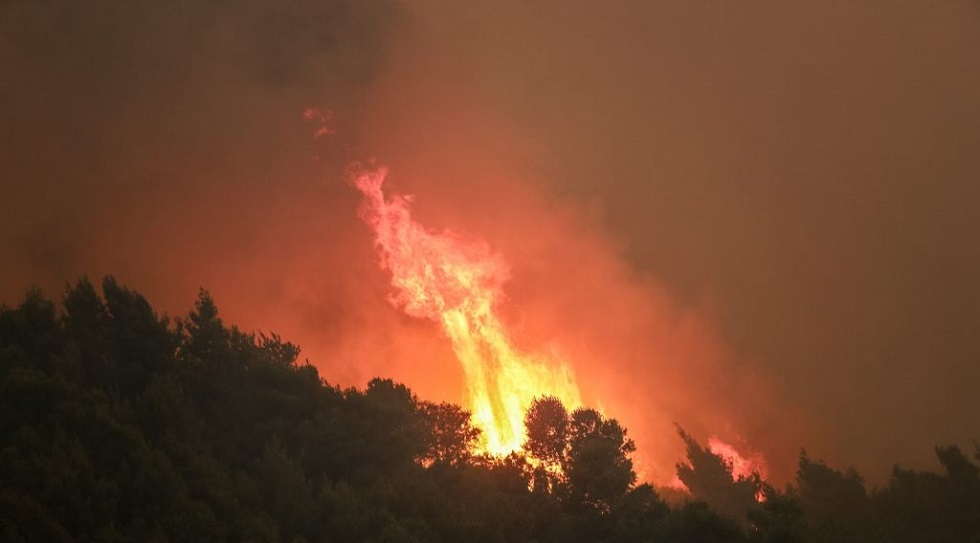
x: 793, y: 187
x: 807, y: 173
x: 166, y: 145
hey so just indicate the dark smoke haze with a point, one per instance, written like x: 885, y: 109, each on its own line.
x: 755, y: 219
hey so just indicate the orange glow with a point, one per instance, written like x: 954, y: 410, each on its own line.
x: 457, y: 282
x: 742, y: 466
x: 675, y: 483
x: 323, y: 118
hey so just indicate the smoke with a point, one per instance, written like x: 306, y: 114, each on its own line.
x: 754, y: 221
x: 641, y: 354
x: 750, y: 220
x: 637, y: 353
x: 164, y: 144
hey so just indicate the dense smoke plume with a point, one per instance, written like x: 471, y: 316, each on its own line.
x: 166, y: 145
x: 755, y: 221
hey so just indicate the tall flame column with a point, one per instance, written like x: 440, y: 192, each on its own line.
x: 456, y: 281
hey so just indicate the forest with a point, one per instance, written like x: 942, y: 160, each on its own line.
x: 118, y: 423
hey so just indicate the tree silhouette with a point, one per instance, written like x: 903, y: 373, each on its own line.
x: 834, y: 501
x: 583, y: 455
x: 117, y: 424
x: 546, y: 423
x: 453, y: 435
x: 709, y: 477
x: 205, y: 336
x: 598, y: 460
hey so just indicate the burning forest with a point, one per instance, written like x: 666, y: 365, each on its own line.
x: 550, y: 271
x: 120, y: 423
x: 457, y: 282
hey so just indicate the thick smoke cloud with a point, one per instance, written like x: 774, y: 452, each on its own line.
x: 164, y: 144
x: 753, y: 220
x: 801, y: 180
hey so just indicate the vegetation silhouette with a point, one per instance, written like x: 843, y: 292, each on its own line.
x: 119, y: 424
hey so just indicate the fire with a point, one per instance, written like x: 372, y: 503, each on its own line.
x: 742, y: 466
x: 457, y: 282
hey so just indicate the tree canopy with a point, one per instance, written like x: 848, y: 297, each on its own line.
x: 120, y: 424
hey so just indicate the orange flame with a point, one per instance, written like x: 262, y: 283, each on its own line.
x: 743, y: 466
x: 740, y: 467
x: 457, y: 282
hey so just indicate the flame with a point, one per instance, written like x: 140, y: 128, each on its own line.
x: 457, y: 282
x: 742, y: 466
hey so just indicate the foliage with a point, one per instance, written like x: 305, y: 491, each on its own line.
x: 709, y: 477
x: 582, y: 456
x: 119, y: 424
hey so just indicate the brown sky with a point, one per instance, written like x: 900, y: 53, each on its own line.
x: 783, y: 191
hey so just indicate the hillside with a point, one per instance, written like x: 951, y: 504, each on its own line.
x: 119, y: 424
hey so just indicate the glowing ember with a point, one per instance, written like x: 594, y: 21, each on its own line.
x: 742, y: 466
x: 457, y: 282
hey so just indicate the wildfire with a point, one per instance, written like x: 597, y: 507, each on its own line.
x: 457, y: 282
x: 741, y: 466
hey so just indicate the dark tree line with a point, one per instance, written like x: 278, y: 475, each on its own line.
x: 118, y: 424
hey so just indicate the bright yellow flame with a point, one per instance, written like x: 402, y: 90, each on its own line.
x: 457, y: 281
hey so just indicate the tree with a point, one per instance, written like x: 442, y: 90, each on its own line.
x: 86, y: 322
x: 140, y: 342
x: 583, y: 455
x: 709, y: 477
x: 546, y: 424
x: 451, y: 431
x: 598, y: 461
x: 205, y: 336
x: 391, y: 426
x: 778, y: 519
x: 835, y: 502
x: 940, y: 507
x: 225, y: 437
x: 34, y: 332
x: 695, y: 522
